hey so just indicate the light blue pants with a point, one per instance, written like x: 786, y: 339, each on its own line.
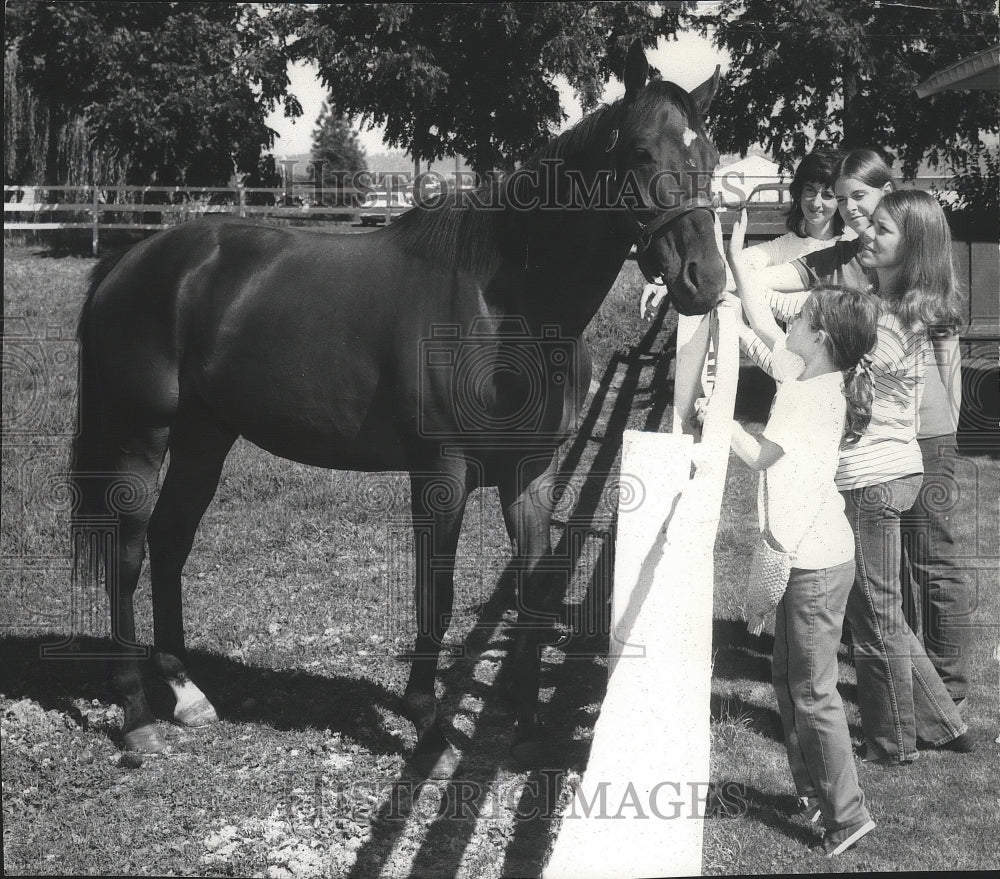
x: 938, y: 587
x: 804, y: 671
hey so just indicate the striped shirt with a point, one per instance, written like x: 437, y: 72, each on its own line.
x: 889, y: 450
x: 784, y: 306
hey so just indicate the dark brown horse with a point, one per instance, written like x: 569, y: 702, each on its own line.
x: 447, y: 345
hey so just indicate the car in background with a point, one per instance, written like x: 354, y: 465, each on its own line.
x: 767, y: 208
x: 769, y: 197
x: 378, y: 206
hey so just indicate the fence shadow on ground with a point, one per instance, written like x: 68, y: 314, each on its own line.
x: 576, y: 679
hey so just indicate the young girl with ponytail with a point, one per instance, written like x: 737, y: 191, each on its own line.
x: 823, y: 402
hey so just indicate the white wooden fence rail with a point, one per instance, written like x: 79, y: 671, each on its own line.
x: 95, y: 202
x: 639, y: 809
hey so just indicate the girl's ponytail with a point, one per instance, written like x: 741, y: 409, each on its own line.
x: 849, y: 318
x: 858, y: 391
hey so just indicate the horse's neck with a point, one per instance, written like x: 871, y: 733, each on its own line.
x: 558, y: 262
x: 564, y: 266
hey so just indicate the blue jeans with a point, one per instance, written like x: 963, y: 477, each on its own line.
x: 804, y: 671
x: 936, y: 587
x: 900, y: 696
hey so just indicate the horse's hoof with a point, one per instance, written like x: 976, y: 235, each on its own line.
x: 194, y: 714
x: 530, y: 754
x: 420, y: 709
x: 436, y: 764
x: 145, y: 740
x: 130, y: 760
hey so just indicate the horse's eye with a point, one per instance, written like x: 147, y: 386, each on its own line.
x: 641, y: 154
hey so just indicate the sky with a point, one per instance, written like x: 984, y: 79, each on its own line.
x: 688, y: 61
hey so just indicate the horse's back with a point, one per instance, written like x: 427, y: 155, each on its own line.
x: 306, y: 343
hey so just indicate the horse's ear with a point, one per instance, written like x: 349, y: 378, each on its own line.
x: 636, y: 70
x: 702, y: 96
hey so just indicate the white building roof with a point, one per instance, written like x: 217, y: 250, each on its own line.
x: 979, y: 71
x: 735, y: 181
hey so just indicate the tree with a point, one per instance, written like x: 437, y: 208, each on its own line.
x: 335, y: 142
x: 845, y: 71
x: 25, y: 127
x: 473, y: 79
x: 176, y: 92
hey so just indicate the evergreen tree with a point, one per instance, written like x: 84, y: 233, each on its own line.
x: 336, y: 143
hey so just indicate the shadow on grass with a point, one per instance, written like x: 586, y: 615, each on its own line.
x: 240, y: 693
x: 738, y: 655
x: 772, y: 810
x: 754, y: 394
x: 764, y: 721
x: 576, y: 681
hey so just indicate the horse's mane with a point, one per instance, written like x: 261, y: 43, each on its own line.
x: 453, y: 233
x: 456, y: 231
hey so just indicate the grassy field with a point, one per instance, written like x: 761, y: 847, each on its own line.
x: 297, y: 603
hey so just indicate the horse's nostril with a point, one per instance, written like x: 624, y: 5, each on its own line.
x: 691, y: 276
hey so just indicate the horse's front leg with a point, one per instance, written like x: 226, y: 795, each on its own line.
x: 438, y: 504
x: 527, y: 493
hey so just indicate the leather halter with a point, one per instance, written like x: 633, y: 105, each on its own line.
x: 644, y: 233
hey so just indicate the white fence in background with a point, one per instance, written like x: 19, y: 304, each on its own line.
x: 639, y: 809
x: 99, y: 208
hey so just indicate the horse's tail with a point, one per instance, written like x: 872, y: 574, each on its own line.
x: 90, y: 459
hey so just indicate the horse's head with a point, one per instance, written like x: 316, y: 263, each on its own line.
x: 663, y: 162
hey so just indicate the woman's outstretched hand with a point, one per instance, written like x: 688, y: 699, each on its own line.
x: 649, y: 301
x: 738, y: 235
x: 700, y: 408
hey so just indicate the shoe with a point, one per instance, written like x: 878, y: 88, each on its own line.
x: 840, y: 841
x: 962, y: 744
x: 809, y: 809
x: 871, y: 753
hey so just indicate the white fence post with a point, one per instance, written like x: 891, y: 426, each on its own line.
x: 96, y: 217
x: 639, y: 809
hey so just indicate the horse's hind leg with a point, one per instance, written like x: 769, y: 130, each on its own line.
x: 198, y: 449
x: 130, y: 488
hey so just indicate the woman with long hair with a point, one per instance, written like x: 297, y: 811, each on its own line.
x: 900, y: 694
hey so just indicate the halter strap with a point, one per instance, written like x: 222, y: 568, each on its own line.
x: 644, y: 233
